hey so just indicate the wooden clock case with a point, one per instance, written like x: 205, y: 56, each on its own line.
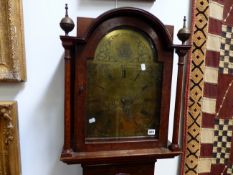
x: 117, y: 156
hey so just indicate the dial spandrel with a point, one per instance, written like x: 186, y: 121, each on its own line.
x: 124, y: 87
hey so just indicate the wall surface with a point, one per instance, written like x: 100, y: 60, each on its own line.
x: 40, y: 99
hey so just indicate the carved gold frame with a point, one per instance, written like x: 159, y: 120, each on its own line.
x: 9, y: 139
x: 12, y: 51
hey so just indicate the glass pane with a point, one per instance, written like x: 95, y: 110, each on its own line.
x: 124, y: 87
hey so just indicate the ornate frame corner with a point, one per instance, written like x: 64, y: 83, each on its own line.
x: 9, y: 139
x: 12, y: 49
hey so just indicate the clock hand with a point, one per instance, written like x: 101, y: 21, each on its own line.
x: 126, y: 105
x: 138, y: 74
x: 123, y: 72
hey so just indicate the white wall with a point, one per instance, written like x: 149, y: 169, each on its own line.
x: 40, y: 99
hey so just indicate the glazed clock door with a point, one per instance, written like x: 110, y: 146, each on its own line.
x: 123, y: 87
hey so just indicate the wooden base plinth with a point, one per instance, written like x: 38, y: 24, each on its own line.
x: 120, y: 169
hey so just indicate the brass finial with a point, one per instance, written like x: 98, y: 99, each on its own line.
x: 67, y: 23
x: 184, y: 33
x: 66, y: 7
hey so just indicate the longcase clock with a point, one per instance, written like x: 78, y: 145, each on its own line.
x: 118, y: 72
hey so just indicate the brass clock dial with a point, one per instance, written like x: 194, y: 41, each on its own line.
x: 124, y: 87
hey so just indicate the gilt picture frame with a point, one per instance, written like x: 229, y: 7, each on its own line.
x: 12, y: 50
x: 9, y: 139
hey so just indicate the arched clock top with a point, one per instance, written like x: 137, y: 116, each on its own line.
x: 138, y: 14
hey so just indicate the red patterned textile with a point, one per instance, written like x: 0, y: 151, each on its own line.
x: 208, y: 136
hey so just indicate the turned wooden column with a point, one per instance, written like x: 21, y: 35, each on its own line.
x: 69, y: 47
x: 181, y: 51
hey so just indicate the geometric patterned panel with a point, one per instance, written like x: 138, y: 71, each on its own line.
x: 226, y: 52
x: 208, y: 142
x: 222, y: 140
x: 196, y: 83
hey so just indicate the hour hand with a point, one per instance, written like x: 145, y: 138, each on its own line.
x: 136, y: 77
x: 126, y: 105
x: 123, y: 72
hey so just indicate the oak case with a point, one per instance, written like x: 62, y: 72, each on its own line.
x: 117, y: 152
